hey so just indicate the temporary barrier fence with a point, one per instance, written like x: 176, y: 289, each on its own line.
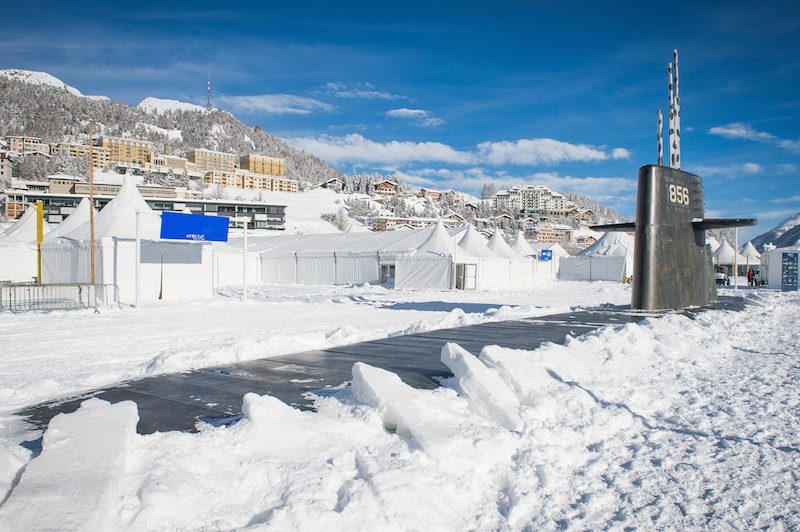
x: 25, y: 297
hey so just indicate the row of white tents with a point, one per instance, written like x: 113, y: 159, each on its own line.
x: 608, y: 259
x: 434, y: 257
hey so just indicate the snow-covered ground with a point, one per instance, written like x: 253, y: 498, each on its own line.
x: 670, y: 423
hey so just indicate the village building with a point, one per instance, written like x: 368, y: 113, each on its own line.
x: 386, y: 187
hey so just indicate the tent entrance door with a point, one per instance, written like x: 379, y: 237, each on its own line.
x: 387, y: 272
x: 466, y: 276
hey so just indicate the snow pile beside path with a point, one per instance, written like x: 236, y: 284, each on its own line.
x: 669, y: 423
x: 74, y: 484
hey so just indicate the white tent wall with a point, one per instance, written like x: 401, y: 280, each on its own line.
x: 545, y: 271
x: 18, y: 263
x: 575, y: 269
x: 597, y: 268
x: 424, y: 271
x: 279, y: 269
x: 357, y: 269
x: 169, y: 270
x: 228, y: 268
x: 316, y: 269
x: 68, y: 261
x: 494, y: 272
x: 521, y: 272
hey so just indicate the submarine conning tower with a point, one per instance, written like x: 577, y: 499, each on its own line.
x: 672, y: 267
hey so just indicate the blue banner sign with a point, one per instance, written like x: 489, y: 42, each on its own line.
x: 179, y: 226
x: 789, y: 272
x: 545, y: 254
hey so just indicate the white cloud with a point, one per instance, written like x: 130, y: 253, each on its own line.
x: 730, y: 170
x: 362, y: 91
x: 752, y: 168
x: 620, y: 153
x: 740, y: 130
x: 792, y: 199
x: 277, y: 103
x: 791, y: 145
x: 357, y: 148
x: 777, y: 214
x: 541, y: 151
x: 594, y: 187
x: 420, y: 117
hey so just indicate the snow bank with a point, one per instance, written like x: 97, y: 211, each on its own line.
x: 75, y: 482
x: 444, y: 431
x: 486, y: 391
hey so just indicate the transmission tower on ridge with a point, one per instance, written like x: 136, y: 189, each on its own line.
x: 208, y: 105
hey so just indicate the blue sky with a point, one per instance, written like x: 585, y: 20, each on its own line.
x: 457, y: 94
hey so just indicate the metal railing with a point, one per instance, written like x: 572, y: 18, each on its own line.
x: 26, y: 297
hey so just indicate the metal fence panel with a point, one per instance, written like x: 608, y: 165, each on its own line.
x: 24, y: 297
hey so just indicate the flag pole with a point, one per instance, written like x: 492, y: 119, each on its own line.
x: 91, y: 204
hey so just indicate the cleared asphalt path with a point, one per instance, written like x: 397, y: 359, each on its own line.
x: 179, y: 401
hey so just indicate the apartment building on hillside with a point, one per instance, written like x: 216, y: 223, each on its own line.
x: 209, y: 160
x: 131, y: 151
x: 101, y: 156
x: 262, y: 164
x: 27, y: 145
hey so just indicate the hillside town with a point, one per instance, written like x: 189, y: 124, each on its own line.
x: 172, y: 182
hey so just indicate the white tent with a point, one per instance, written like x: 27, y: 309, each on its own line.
x: 169, y: 269
x: 344, y: 258
x: 24, y: 229
x: 724, y: 257
x: 713, y: 242
x: 751, y: 255
x: 373, y: 259
x: 547, y: 270
x: 18, y: 255
x: 521, y: 246
x: 76, y: 219
x: 772, y: 263
x: 494, y: 269
x: 608, y: 259
x: 438, y: 263
x: 520, y: 267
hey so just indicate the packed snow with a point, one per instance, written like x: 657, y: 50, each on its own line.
x: 669, y: 423
x: 163, y: 105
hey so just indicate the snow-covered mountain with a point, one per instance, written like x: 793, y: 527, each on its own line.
x: 44, y: 79
x: 164, y: 105
x: 786, y: 233
x: 41, y: 105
